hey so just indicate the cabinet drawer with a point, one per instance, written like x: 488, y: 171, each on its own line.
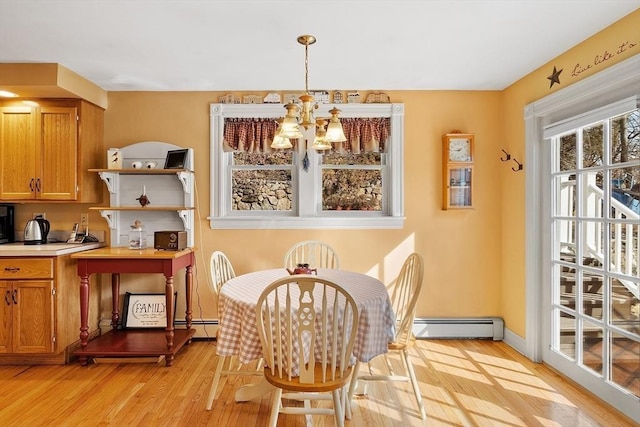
x: 26, y: 268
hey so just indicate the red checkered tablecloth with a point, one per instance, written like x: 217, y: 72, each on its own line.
x: 238, y: 334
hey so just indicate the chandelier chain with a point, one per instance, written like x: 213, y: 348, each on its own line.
x: 306, y: 69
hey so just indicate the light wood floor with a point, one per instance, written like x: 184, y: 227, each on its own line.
x: 464, y: 383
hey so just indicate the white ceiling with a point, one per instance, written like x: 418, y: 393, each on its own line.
x: 218, y: 45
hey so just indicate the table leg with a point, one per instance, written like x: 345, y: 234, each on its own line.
x: 115, y: 298
x: 170, y: 314
x: 188, y: 293
x: 84, y: 315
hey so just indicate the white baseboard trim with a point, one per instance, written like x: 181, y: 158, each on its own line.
x: 515, y: 341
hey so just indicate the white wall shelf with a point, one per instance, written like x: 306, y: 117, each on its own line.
x: 170, y: 192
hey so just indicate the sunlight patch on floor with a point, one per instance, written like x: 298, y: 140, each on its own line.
x: 473, y: 375
x: 496, y: 361
x: 488, y: 413
x: 527, y: 379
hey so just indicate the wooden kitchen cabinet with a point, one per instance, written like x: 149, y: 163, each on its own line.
x: 38, y: 310
x: 27, y: 312
x: 46, y: 150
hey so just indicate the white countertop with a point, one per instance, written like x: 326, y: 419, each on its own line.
x: 49, y: 249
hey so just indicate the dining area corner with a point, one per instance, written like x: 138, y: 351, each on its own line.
x: 285, y: 319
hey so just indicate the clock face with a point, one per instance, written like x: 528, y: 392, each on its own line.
x: 459, y: 150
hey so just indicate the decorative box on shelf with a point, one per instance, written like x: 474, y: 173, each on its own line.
x: 170, y: 240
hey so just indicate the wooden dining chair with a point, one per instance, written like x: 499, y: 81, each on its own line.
x: 404, y: 297
x: 307, y: 327
x: 316, y: 253
x: 221, y: 271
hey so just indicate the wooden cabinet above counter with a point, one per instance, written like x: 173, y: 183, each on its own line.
x: 47, y: 149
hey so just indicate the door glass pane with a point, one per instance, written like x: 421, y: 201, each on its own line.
x: 566, y: 233
x: 567, y: 334
x: 592, y: 346
x: 625, y: 190
x: 565, y: 190
x: 625, y: 363
x: 625, y: 138
x: 567, y: 157
x: 624, y: 254
x: 592, y: 294
x: 591, y: 194
x: 625, y: 306
x: 592, y: 146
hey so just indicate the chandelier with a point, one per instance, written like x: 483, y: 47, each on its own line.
x: 301, y: 116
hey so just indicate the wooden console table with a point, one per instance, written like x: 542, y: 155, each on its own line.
x: 134, y: 342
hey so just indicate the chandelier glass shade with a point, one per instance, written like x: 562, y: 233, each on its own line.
x: 301, y: 115
x: 320, y: 142
x: 280, y: 141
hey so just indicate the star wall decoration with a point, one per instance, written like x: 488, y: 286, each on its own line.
x: 554, y: 77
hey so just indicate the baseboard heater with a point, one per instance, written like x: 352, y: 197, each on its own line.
x: 459, y: 328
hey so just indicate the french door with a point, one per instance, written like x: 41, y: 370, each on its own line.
x: 583, y: 234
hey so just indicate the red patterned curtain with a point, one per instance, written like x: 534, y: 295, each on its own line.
x: 255, y: 134
x: 365, y: 134
x: 252, y: 135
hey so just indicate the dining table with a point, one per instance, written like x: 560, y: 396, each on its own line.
x: 238, y: 333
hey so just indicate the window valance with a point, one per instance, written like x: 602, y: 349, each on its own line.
x: 256, y: 134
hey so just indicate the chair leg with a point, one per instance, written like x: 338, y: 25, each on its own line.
x: 345, y: 402
x: 337, y: 409
x: 307, y: 417
x: 354, y: 380
x: 214, y: 382
x: 275, y: 407
x: 414, y: 383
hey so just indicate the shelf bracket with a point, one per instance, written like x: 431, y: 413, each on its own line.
x: 186, y: 218
x: 108, y: 215
x: 109, y: 178
x: 186, y: 179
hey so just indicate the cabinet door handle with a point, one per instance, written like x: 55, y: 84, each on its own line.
x: 15, y: 296
x: 7, y: 298
x: 38, y: 185
x: 31, y: 184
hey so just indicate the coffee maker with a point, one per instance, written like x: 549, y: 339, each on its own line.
x: 7, y: 226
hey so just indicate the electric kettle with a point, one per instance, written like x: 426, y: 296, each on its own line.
x: 36, y: 231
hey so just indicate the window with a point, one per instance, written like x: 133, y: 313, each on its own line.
x: 356, y: 184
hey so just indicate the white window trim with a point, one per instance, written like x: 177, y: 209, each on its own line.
x: 309, y: 216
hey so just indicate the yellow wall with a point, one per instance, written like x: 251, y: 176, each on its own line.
x: 616, y: 43
x: 475, y: 260
x: 462, y: 249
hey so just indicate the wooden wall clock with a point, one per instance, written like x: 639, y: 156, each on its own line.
x: 457, y: 170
